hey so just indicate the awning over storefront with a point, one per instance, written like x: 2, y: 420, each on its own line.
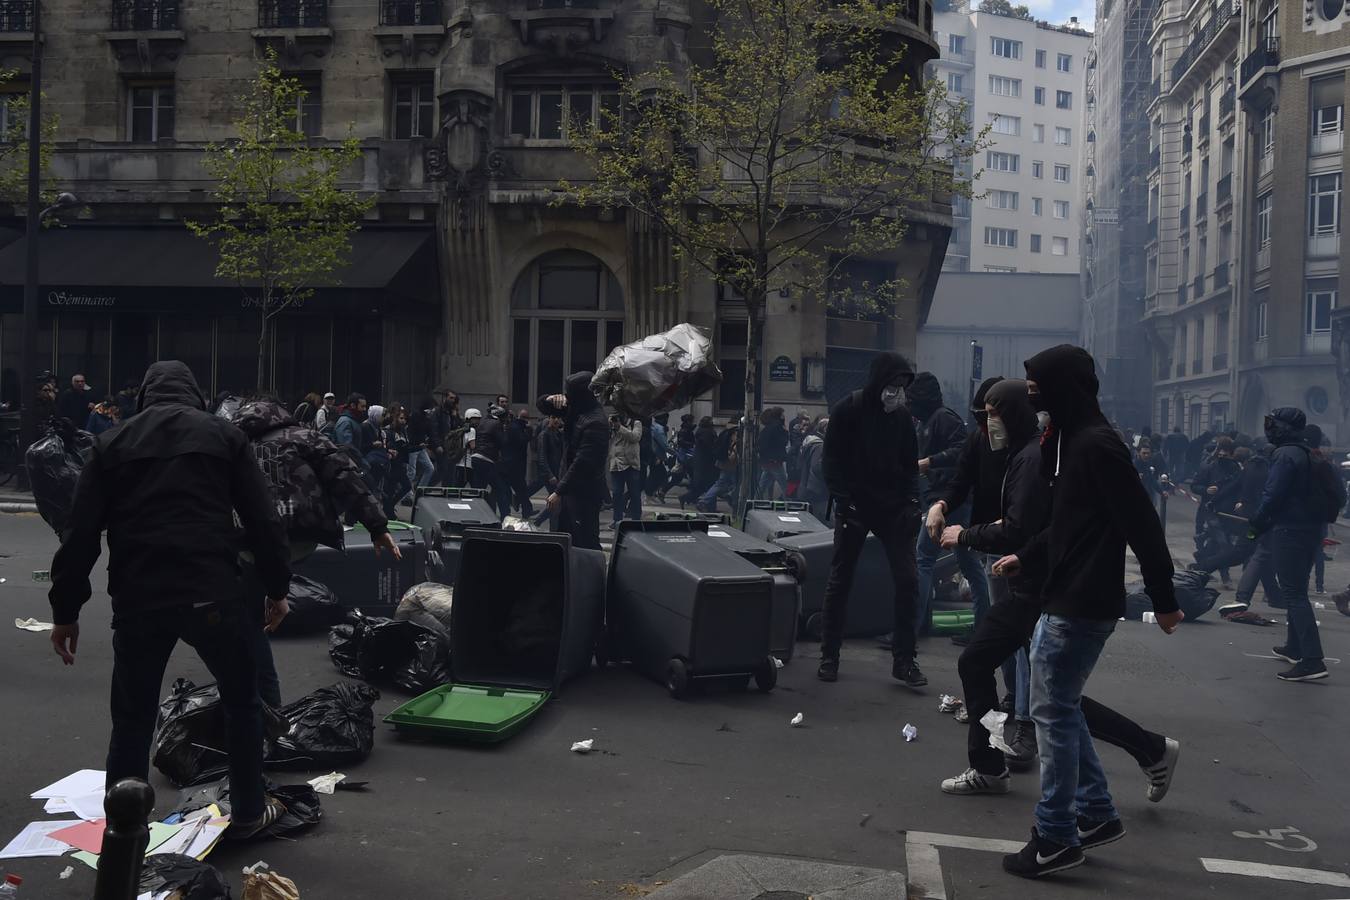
x: 99, y: 266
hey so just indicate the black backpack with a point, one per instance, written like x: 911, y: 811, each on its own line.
x: 1327, y: 489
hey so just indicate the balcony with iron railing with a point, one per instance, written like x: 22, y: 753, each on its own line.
x: 410, y: 12
x: 292, y: 13
x: 1224, y: 14
x: 1156, y: 91
x: 1187, y: 144
x: 1220, y: 362
x: 1184, y: 219
x: 16, y: 16
x: 1265, y: 55
x: 1181, y: 297
x: 1221, y: 276
x: 1227, y: 105
x: 1201, y: 208
x: 1181, y: 369
x: 1198, y: 286
x: 1204, y: 129
x: 145, y: 15
x: 1155, y: 158
x: 1153, y: 229
x: 1223, y: 191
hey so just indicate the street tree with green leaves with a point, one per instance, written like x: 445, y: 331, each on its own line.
x: 790, y: 145
x: 284, y: 222
x: 1004, y: 8
x: 14, y: 146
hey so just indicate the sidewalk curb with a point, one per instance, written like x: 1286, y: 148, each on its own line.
x: 18, y: 507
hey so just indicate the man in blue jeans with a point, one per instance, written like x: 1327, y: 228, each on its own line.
x: 1098, y: 506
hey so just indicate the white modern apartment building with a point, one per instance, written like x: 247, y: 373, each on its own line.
x: 1024, y: 80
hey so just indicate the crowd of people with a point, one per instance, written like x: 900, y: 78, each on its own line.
x: 1038, y: 500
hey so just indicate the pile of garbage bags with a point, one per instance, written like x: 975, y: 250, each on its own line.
x: 659, y: 373
x: 1194, y: 595
x: 186, y: 877
x: 301, y: 801
x: 330, y: 727
x: 54, y: 462
x: 314, y: 608
x: 380, y: 650
x: 428, y: 604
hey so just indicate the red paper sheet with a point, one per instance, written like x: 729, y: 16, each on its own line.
x: 87, y: 836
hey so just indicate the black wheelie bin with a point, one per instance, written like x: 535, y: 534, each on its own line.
x: 527, y: 611
x: 444, y: 514
x: 681, y: 607
x: 871, y: 602
x: 769, y: 520
x: 362, y: 579
x: 786, y: 568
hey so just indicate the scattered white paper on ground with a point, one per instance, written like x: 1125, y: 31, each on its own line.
x: 84, y: 781
x: 993, y: 721
x: 949, y: 704
x: 797, y: 720
x: 87, y: 806
x: 34, y: 840
x: 326, y: 784
x: 583, y: 746
x: 31, y: 624
x: 57, y: 805
x: 66, y: 872
x: 777, y: 663
x: 910, y: 732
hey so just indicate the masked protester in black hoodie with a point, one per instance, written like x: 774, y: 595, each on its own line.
x: 1098, y: 506
x: 166, y: 487
x: 870, y: 464
x: 580, y: 491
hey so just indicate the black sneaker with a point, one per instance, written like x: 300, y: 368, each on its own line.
x: 1008, y: 704
x: 1283, y: 653
x: 829, y: 669
x: 1305, y: 670
x: 886, y: 640
x: 1023, y: 746
x: 1042, y: 857
x: 907, y: 671
x: 1098, y: 834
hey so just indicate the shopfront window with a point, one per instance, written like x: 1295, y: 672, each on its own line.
x: 135, y: 338
x: 82, y: 347
x: 300, y: 357
x: 237, y: 353
x: 188, y: 339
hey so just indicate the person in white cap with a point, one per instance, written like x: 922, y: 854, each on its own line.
x: 327, y: 413
x: 464, y: 473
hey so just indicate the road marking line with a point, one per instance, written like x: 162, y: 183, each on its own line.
x: 923, y: 872
x: 1326, y: 659
x: 1279, y: 873
x: 962, y: 842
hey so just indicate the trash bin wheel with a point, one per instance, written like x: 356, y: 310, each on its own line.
x: 766, y: 675
x: 815, y: 626
x: 677, y: 678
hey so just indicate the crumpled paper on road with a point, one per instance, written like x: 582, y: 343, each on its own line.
x: 993, y: 721
x: 326, y: 784
x: 583, y: 746
x: 261, y: 883
x: 32, y: 625
x: 910, y: 732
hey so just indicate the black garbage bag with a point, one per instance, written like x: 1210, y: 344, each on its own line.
x: 1192, y: 590
x: 314, y: 608
x: 194, y: 880
x: 301, y: 801
x: 190, y: 737
x: 382, y: 650
x: 333, y: 726
x: 54, y: 462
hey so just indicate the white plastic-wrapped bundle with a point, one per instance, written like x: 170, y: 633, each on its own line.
x: 659, y: 373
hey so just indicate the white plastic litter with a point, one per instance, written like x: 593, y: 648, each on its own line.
x: 1149, y: 618
x: 993, y: 721
x: 1317, y: 604
x: 777, y: 663
x: 326, y: 784
x: 797, y: 720
x: 583, y: 746
x: 66, y: 872
x: 32, y: 625
x: 910, y: 732
x: 949, y: 704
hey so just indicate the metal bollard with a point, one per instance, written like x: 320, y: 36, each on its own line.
x: 125, y: 837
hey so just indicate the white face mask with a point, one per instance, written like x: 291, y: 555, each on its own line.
x: 1043, y: 419
x: 892, y: 398
x: 998, y: 434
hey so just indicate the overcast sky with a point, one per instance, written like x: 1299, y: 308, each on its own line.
x: 1057, y: 12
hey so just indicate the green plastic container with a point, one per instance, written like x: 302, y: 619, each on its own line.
x: 953, y: 622
x: 469, y: 712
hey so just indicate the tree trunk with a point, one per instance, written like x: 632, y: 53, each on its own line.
x: 262, y: 352
x: 749, y: 465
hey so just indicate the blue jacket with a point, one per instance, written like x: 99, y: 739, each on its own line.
x: 348, y: 431
x: 1286, y: 500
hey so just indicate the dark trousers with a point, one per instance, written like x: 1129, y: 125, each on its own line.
x: 1003, y: 630
x: 626, y: 488
x: 141, y: 649
x: 520, y: 489
x: 896, y: 529
x: 1294, y: 551
x: 1259, y: 570
x: 580, y: 518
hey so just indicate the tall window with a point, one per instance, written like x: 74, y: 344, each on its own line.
x: 1320, y: 300
x: 1000, y: 237
x: 1035, y: 206
x: 1199, y: 347
x: 1035, y: 243
x: 1001, y: 162
x: 1063, y: 62
x: 1005, y: 87
x: 1324, y: 204
x: 1002, y: 199
x: 1268, y: 132
x: 1040, y: 59
x: 1063, y: 100
x: 554, y: 112
x: 1006, y: 48
x: 1262, y: 320
x: 954, y: 82
x: 956, y: 44
x: 1061, y: 209
x: 1328, y: 114
x: 1040, y: 96
x: 414, y: 113
x: 1062, y: 174
x: 1059, y: 246
x: 1263, y: 204
x: 309, y: 106
x: 13, y: 112
x: 1006, y: 124
x: 1037, y: 169
x: 151, y: 112
x: 1063, y: 136
x: 1038, y: 133
x: 1270, y: 22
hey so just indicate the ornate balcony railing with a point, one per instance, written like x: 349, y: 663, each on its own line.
x: 410, y: 12
x: 145, y: 15
x: 16, y: 15
x: 292, y: 13
x: 1223, y: 14
x: 1267, y: 54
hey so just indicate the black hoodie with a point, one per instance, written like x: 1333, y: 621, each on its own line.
x: 165, y: 486
x: 941, y: 432
x: 1098, y: 503
x: 979, y: 471
x: 871, y: 457
x: 585, y: 439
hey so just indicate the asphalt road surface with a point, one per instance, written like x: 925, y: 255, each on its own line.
x: 1262, y: 779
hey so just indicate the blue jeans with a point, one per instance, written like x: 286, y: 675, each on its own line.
x: 769, y: 475
x: 970, y: 563
x: 1294, y: 551
x: 1063, y: 654
x: 420, y: 468
x: 722, y: 487
x: 626, y: 486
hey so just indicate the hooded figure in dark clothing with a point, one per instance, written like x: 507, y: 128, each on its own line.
x: 166, y: 486
x: 1098, y: 507
x: 581, y: 489
x: 870, y: 464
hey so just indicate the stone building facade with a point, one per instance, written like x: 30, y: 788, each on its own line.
x: 470, y: 272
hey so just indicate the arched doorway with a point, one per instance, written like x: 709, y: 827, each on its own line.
x: 566, y: 314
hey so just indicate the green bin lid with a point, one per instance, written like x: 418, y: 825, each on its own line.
x: 469, y: 712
